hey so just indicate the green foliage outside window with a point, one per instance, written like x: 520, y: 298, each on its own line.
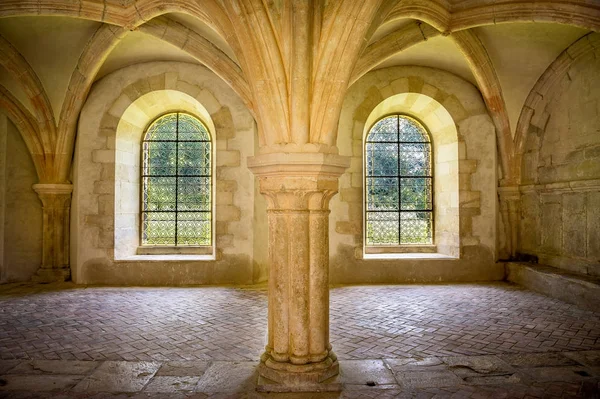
x: 399, y: 201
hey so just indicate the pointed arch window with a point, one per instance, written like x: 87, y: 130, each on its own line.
x: 177, y: 182
x: 398, y: 183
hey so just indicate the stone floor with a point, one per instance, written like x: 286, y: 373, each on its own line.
x: 484, y: 340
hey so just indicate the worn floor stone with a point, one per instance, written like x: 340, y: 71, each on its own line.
x: 20, y: 382
x: 228, y: 377
x: 360, y: 372
x: 183, y: 369
x: 119, y: 377
x: 76, y: 367
x: 427, y: 379
x: 171, y: 384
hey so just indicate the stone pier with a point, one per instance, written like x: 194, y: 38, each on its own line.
x: 298, y: 188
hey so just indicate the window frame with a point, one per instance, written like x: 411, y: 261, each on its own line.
x: 399, y: 248
x: 178, y: 249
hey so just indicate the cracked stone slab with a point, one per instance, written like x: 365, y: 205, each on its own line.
x: 229, y: 377
x: 7, y: 365
x: 561, y: 374
x: 587, y: 358
x: 427, y: 379
x: 38, y: 382
x: 172, y: 384
x: 74, y: 367
x: 537, y: 360
x: 114, y: 376
x: 470, y: 366
x: 362, y: 371
x: 416, y: 363
x: 183, y: 369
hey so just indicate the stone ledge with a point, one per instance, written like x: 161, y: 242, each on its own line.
x: 580, y: 290
x: 413, y: 255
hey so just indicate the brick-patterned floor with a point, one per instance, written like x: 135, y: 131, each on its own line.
x: 367, y: 322
x: 436, y: 341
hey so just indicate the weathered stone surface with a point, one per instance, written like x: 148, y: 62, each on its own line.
x: 171, y: 384
x: 228, y: 377
x: 114, y: 376
x: 183, y: 369
x: 362, y: 371
x: 38, y: 383
x: 68, y: 367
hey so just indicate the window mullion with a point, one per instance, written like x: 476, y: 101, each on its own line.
x: 176, y: 174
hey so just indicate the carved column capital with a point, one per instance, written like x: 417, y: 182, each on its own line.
x: 298, y: 181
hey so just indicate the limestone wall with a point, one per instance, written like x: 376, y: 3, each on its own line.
x: 465, y: 203
x: 105, y: 220
x: 560, y: 191
x: 20, y: 208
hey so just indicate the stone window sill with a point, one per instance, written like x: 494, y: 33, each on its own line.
x: 402, y: 249
x: 169, y: 258
x: 174, y: 250
x: 414, y: 255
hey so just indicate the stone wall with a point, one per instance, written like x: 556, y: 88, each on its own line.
x: 105, y: 218
x: 20, y: 208
x: 465, y: 152
x: 560, y: 191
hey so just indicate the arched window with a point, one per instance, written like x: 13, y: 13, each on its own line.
x: 176, y: 182
x: 398, y: 183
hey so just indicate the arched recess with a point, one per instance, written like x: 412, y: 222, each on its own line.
x: 128, y: 142
x: 444, y: 137
x: 104, y: 220
x: 466, y: 155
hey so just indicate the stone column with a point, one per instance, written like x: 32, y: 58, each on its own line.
x: 298, y: 188
x: 56, y: 202
x: 510, y: 199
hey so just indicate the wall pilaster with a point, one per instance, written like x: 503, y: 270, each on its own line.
x: 56, y: 202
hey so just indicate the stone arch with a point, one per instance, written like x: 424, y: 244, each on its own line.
x: 455, y: 110
x: 106, y: 175
x: 533, y: 116
x: 132, y: 124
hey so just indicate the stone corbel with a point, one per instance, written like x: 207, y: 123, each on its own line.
x: 510, y: 202
x: 56, y: 202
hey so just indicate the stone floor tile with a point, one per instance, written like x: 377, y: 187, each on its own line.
x: 35, y: 383
x: 416, y: 364
x: 560, y: 374
x: 114, y: 376
x: 183, y: 369
x: 7, y: 365
x: 229, y: 377
x: 537, y: 360
x: 587, y: 358
x: 73, y: 367
x: 171, y: 384
x: 359, y: 372
x: 466, y: 366
x: 427, y: 379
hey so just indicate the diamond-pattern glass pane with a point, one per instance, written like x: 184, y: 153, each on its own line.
x: 399, y: 191
x: 382, y: 159
x: 386, y: 130
x: 177, y: 182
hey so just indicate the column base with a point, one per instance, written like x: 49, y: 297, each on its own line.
x: 51, y: 275
x: 287, y: 377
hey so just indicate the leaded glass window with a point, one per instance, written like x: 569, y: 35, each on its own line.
x: 398, y: 183
x: 176, y: 182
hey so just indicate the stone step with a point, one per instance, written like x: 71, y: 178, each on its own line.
x: 578, y: 289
